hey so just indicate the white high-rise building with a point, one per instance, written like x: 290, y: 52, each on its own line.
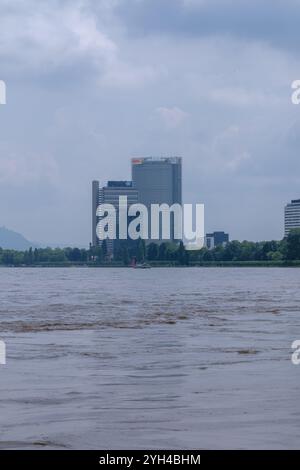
x: 291, y: 216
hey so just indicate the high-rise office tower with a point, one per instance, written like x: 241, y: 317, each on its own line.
x: 291, y: 216
x: 158, y: 181
x: 110, y: 194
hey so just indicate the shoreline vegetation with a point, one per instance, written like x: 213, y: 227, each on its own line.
x: 238, y: 264
x: 283, y: 253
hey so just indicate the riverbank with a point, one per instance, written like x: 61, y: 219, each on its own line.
x: 167, y: 264
x: 284, y: 253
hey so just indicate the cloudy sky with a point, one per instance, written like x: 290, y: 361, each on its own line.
x: 92, y: 83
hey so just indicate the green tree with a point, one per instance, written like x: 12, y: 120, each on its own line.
x: 181, y: 254
x: 219, y: 253
x: 275, y: 255
x: 35, y: 255
x: 125, y: 255
x: 95, y: 254
x: 73, y: 254
x: 162, y: 251
x: 207, y: 254
x: 152, y: 251
x: 267, y: 248
x: 30, y: 256
x: 293, y: 245
x: 8, y: 257
x: 234, y: 250
x: 83, y: 255
x: 141, y: 250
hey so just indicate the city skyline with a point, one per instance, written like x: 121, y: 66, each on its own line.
x: 155, y: 181
x: 100, y: 83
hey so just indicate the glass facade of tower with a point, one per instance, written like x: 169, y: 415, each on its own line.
x: 110, y: 194
x: 158, y: 181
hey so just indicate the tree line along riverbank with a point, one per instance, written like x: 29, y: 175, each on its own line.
x: 273, y: 253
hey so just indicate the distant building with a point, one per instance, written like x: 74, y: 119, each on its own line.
x: 291, y: 216
x: 216, y: 239
x: 158, y: 180
x: 154, y: 181
x: 110, y: 194
x: 95, y: 204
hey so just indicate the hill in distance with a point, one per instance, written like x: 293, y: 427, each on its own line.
x: 13, y: 240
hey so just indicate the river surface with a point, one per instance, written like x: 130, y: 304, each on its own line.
x: 195, y: 358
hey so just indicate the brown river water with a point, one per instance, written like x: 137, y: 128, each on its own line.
x: 195, y: 358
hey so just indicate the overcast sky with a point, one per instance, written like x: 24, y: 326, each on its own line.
x: 92, y: 83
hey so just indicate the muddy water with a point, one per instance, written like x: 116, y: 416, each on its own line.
x: 161, y: 358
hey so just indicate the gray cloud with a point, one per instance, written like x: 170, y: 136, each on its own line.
x: 85, y: 94
x: 276, y: 22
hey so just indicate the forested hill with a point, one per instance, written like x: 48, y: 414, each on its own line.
x: 13, y: 240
